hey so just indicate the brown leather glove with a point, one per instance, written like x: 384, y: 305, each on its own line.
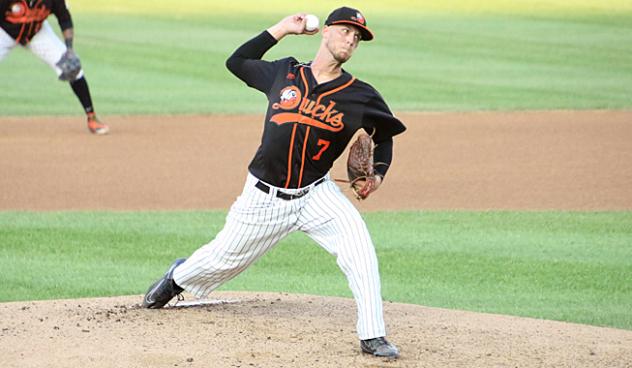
x: 360, y: 170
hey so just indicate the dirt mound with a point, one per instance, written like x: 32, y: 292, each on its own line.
x: 281, y: 330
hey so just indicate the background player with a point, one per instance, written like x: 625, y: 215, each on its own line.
x: 314, y: 110
x: 23, y: 22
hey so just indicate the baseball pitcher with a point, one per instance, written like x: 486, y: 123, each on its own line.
x: 314, y: 109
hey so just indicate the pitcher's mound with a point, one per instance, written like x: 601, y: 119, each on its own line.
x: 239, y: 329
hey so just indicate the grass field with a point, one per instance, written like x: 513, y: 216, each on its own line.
x: 444, y: 56
x: 565, y: 266
x: 499, y: 55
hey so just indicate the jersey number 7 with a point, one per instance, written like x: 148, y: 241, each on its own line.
x: 325, y: 145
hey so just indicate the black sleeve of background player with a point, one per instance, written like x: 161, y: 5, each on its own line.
x: 383, y: 156
x: 246, y: 63
x: 63, y: 15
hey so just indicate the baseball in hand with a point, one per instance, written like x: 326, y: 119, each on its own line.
x: 311, y: 22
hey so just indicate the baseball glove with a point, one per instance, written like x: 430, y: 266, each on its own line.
x: 360, y: 170
x: 70, y: 66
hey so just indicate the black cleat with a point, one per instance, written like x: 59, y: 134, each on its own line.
x: 163, y: 290
x: 379, y: 347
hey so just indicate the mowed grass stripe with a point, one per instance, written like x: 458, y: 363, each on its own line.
x: 171, y: 64
x: 570, y: 266
x: 195, y: 8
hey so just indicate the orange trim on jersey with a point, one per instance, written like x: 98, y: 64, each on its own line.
x: 294, y: 117
x: 17, y: 39
x: 289, y: 157
x: 30, y: 32
x: 300, y: 175
x: 32, y: 16
x: 335, y: 90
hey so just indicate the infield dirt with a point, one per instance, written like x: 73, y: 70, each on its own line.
x: 526, y: 161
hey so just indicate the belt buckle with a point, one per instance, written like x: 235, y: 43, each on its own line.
x: 299, y: 194
x: 306, y: 190
x: 289, y: 197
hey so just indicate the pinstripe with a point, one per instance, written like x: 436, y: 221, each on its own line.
x: 255, y: 224
x: 233, y: 233
x: 341, y: 231
x: 202, y: 269
x: 337, y: 242
x: 266, y: 238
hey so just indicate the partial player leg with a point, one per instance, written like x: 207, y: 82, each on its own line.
x: 6, y: 44
x: 335, y: 224
x: 255, y: 223
x: 81, y: 90
x: 49, y: 48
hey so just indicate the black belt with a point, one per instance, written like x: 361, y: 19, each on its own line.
x: 288, y: 197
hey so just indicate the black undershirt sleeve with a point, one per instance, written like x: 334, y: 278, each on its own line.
x: 246, y: 63
x: 383, y: 156
x: 63, y: 15
x: 382, y: 125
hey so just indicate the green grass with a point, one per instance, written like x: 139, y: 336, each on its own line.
x: 459, y: 56
x: 323, y: 7
x: 568, y: 266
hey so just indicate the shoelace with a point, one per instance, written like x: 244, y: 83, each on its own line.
x: 179, y: 298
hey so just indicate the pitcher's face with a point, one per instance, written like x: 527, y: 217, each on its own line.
x: 342, y: 40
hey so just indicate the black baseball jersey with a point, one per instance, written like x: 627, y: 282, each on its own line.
x: 22, y: 19
x: 307, y: 125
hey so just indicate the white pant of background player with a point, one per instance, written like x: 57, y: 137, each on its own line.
x: 45, y: 44
x: 257, y: 221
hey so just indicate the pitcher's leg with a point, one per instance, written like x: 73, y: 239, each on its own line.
x: 334, y: 223
x: 255, y: 223
x: 235, y: 248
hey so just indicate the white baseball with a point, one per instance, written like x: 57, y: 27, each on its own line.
x: 311, y: 22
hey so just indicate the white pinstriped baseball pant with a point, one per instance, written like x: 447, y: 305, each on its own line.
x: 257, y: 221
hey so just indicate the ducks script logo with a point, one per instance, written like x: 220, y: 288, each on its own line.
x: 310, y: 112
